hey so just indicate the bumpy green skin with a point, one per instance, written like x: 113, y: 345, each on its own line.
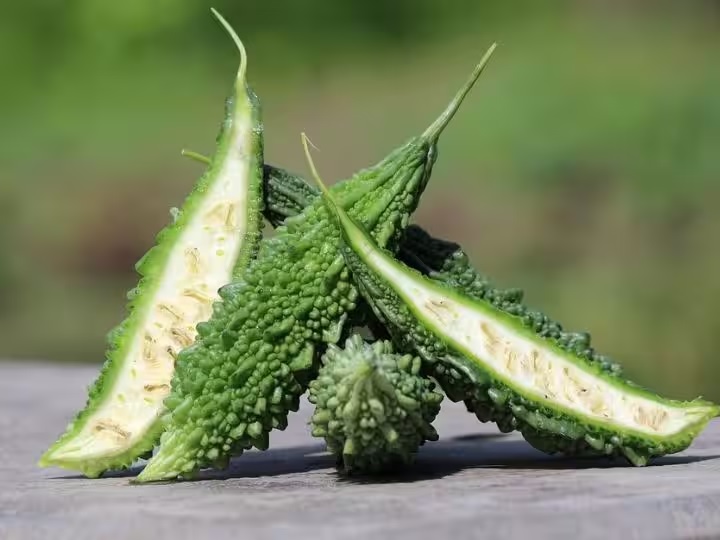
x: 547, y: 429
x: 255, y: 356
x: 286, y: 194
x: 373, y: 408
x: 253, y: 359
x: 149, y: 267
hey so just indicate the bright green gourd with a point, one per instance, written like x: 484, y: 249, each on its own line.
x: 447, y: 262
x: 556, y: 396
x: 253, y: 359
x: 373, y: 407
x: 213, y: 236
x: 287, y: 194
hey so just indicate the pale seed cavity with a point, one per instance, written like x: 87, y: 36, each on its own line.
x: 192, y: 260
x: 110, y: 426
x: 150, y: 388
x: 172, y: 310
x: 221, y: 215
x: 147, y: 350
x: 491, y: 340
x: 441, y: 309
x: 542, y: 371
x: 182, y: 337
x: 198, y: 295
x: 537, y: 367
x: 230, y: 216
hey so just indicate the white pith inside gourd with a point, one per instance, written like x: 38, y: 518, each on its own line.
x: 522, y: 362
x: 201, y: 261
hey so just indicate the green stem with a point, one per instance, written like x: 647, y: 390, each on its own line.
x: 238, y: 43
x: 195, y: 155
x: 435, y: 129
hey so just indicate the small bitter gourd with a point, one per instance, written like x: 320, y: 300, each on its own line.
x: 374, y: 408
x: 215, y: 234
x: 557, y: 398
x: 254, y: 357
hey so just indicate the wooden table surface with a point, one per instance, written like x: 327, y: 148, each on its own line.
x: 473, y: 483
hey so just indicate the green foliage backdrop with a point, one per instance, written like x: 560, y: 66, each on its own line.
x: 585, y: 167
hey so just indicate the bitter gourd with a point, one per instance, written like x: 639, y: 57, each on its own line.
x: 558, y: 399
x: 286, y: 194
x: 447, y: 262
x: 213, y: 235
x: 373, y: 407
x: 253, y: 358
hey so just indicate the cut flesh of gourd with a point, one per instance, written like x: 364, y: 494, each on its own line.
x: 201, y: 261
x: 214, y: 235
x: 481, y: 341
x: 546, y: 375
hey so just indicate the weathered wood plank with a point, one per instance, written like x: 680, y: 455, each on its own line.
x: 473, y: 483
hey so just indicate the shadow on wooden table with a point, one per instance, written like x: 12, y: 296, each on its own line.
x: 451, y: 456
x: 435, y: 460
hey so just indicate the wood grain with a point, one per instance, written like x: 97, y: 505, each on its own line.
x: 473, y: 483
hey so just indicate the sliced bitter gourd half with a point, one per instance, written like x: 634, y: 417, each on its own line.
x: 560, y: 401
x: 213, y: 236
x: 286, y: 195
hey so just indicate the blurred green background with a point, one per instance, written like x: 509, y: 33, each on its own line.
x: 584, y: 167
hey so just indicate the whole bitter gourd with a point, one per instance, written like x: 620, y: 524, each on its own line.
x: 373, y: 407
x: 286, y: 194
x: 253, y: 358
x: 557, y: 398
x: 214, y: 235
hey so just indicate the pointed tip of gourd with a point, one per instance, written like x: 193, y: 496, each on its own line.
x: 55, y: 457
x: 239, y: 44
x: 348, y: 226
x: 307, y: 143
x: 45, y: 460
x: 432, y: 133
x: 49, y: 459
